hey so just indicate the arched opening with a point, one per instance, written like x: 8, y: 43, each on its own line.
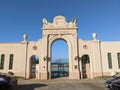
x: 34, y: 66
x: 85, y: 66
x: 60, y: 60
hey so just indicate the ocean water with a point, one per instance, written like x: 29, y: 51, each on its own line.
x: 60, y: 69
x: 56, y: 74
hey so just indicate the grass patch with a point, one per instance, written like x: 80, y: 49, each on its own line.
x: 20, y: 77
x: 103, y: 77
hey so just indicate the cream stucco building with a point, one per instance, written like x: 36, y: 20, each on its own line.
x: 102, y: 58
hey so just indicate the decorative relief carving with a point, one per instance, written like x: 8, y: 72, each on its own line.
x: 59, y: 22
x: 85, y: 46
x: 73, y: 23
x: 45, y: 21
x: 51, y: 36
x: 34, y: 47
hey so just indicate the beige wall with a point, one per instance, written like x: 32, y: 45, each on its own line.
x: 19, y: 57
x: 92, y: 49
x: 113, y: 48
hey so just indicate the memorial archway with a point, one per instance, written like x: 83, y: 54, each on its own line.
x: 60, y: 30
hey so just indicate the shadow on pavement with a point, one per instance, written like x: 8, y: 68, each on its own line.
x: 28, y: 86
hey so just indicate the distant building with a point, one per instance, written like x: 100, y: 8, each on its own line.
x: 89, y: 58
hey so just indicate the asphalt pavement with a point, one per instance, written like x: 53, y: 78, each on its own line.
x: 60, y: 84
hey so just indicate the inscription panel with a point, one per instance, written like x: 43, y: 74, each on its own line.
x: 60, y: 32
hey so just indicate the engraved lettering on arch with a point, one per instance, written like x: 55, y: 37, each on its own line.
x: 60, y: 32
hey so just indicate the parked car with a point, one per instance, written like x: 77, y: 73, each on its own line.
x: 115, y: 85
x: 4, y: 85
x: 12, y: 80
x: 112, y: 79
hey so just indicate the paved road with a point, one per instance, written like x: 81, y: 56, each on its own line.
x: 60, y: 84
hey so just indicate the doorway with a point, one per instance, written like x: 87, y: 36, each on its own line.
x: 34, y: 66
x: 85, y: 66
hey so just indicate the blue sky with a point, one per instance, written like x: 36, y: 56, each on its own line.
x: 25, y: 16
x: 60, y: 51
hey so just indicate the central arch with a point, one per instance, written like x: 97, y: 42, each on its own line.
x: 59, y: 59
x: 51, y: 41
